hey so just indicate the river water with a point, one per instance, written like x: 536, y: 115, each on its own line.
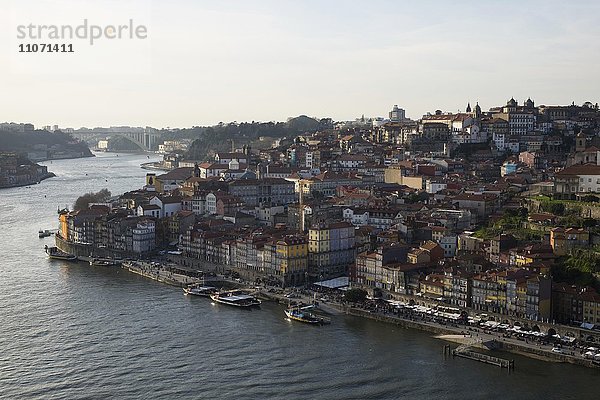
x: 71, y: 331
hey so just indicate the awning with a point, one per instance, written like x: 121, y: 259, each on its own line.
x: 587, y: 325
x: 336, y: 283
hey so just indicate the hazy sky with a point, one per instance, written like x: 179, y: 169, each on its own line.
x: 209, y: 61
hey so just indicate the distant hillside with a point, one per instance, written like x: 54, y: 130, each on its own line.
x: 218, y: 138
x: 304, y: 124
x: 45, y: 145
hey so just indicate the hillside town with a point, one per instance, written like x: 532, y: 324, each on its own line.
x: 16, y: 170
x: 494, y: 211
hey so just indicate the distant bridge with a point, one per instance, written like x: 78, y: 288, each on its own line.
x: 145, y: 139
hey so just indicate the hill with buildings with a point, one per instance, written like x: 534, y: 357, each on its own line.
x: 17, y: 170
x: 220, y: 137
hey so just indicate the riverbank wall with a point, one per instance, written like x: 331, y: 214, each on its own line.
x: 499, y: 345
x: 30, y: 182
x: 154, y: 166
x: 581, y: 334
x: 85, y: 252
x: 390, y: 319
x: 541, y: 354
x: 161, y: 274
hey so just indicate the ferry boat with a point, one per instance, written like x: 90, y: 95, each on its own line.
x: 300, y: 314
x: 104, y: 262
x: 56, y: 254
x: 235, y: 298
x: 44, y: 233
x: 196, y: 290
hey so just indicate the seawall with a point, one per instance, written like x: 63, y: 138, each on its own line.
x: 85, y: 251
x: 527, y: 351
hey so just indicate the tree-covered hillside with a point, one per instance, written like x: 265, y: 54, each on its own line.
x: 24, y: 142
x: 219, y: 137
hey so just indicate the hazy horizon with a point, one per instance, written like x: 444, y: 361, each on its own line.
x: 208, y: 62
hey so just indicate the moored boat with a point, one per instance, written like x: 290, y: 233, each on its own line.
x: 57, y: 254
x: 197, y: 290
x: 104, y: 262
x: 235, y: 298
x: 301, y: 315
x: 44, y: 233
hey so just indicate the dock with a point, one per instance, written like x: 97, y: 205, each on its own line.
x: 487, y: 359
x: 464, y: 351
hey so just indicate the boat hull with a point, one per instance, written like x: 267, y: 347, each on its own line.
x: 240, y: 301
x: 237, y: 305
x: 205, y: 292
x: 104, y: 263
x: 305, y: 319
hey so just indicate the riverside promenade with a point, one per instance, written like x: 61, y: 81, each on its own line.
x: 450, y: 332
x: 462, y: 334
x: 180, y: 276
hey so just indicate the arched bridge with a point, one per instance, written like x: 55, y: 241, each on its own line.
x: 145, y: 139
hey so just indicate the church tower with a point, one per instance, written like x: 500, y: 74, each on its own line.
x: 468, y: 107
x: 477, y: 112
x: 580, y: 142
x: 529, y: 103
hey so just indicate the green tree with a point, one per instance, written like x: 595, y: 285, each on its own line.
x: 583, y: 260
x: 355, y: 295
x: 83, y: 201
x: 556, y: 208
x: 419, y: 197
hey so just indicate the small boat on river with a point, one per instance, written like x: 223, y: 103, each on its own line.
x: 104, y: 262
x: 236, y: 298
x: 44, y: 233
x: 301, y: 314
x: 197, y: 290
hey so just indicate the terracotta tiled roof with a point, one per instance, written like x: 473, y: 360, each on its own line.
x: 580, y: 169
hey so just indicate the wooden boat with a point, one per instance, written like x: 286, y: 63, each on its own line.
x: 44, y: 233
x: 104, y: 262
x: 301, y: 314
x: 235, y: 298
x: 197, y: 290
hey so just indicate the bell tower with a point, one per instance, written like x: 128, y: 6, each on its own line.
x: 477, y: 112
x: 580, y: 142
